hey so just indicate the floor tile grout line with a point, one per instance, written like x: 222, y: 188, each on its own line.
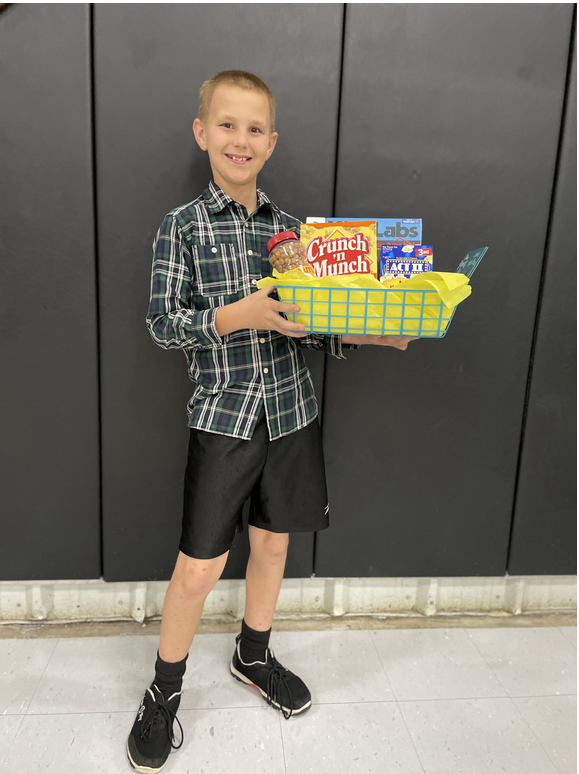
x: 9, y: 750
x: 370, y: 632
x: 564, y: 635
x: 485, y: 698
x: 399, y: 708
x: 42, y: 676
x: 317, y: 704
x: 282, y: 744
x: 555, y: 767
x: 559, y: 628
x: 131, y: 712
x: 477, y: 650
x: 499, y: 681
x: 538, y: 695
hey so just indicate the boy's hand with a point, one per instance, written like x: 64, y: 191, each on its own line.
x: 260, y: 312
x: 398, y: 342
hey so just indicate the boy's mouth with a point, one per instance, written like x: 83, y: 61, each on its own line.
x: 238, y: 159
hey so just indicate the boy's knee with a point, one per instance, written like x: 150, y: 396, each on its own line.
x: 199, y: 576
x: 271, y: 544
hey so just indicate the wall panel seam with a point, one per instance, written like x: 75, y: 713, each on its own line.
x: 92, y: 86
x: 340, y: 89
x: 556, y: 171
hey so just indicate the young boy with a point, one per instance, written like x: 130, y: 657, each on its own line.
x: 253, y: 423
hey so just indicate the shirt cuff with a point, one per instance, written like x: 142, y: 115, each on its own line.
x: 206, y: 332
x: 335, y: 346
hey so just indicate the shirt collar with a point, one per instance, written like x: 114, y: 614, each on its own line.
x: 217, y: 200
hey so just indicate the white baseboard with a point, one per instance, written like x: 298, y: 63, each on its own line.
x: 95, y: 600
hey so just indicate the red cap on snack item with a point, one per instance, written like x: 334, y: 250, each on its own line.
x: 275, y: 240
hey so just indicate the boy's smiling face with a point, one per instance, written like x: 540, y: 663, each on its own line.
x: 237, y: 137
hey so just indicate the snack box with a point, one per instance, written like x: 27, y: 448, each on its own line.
x: 400, y: 262
x: 392, y: 231
x: 341, y: 248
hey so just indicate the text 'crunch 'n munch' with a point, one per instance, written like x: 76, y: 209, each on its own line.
x: 341, y: 248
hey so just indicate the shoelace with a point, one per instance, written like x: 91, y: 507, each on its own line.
x: 165, y: 712
x: 274, y: 683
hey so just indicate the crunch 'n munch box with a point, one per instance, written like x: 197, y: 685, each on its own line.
x: 400, y: 262
x: 341, y: 248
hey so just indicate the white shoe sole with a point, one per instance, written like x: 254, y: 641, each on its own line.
x: 246, y: 680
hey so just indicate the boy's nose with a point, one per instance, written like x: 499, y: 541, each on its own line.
x: 240, y: 140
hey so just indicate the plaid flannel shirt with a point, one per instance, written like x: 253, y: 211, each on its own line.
x: 209, y: 253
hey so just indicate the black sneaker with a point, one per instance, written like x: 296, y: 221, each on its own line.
x: 281, y: 689
x: 151, y: 737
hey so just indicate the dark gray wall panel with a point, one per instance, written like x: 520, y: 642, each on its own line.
x: 150, y: 61
x: 49, y: 426
x: 544, y: 538
x: 450, y: 112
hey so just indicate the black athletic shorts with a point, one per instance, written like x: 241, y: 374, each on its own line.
x: 285, y: 479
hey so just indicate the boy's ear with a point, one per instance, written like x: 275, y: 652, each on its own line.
x: 272, y: 141
x: 199, y: 132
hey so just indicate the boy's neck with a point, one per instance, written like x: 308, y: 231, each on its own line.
x: 245, y: 194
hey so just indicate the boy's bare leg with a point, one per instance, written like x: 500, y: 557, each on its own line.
x: 263, y: 576
x: 191, y: 582
x: 194, y: 579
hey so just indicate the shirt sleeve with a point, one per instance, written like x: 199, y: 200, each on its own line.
x: 171, y: 320
x: 331, y: 344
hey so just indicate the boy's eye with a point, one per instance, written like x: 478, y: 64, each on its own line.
x: 254, y: 129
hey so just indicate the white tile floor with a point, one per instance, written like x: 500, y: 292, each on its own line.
x: 409, y: 701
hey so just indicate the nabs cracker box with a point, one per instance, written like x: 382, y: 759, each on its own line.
x: 341, y: 248
x: 400, y: 262
x: 392, y: 231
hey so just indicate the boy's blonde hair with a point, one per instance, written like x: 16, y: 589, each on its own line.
x: 242, y: 80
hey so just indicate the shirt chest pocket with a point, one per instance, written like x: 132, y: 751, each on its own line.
x: 216, y: 270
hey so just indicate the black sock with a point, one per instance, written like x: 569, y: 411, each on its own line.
x: 253, y: 643
x: 169, y: 675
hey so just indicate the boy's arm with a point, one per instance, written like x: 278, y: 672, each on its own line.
x: 171, y: 321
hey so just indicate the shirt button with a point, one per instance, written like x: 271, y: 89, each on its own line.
x: 254, y: 282
x: 262, y: 341
x: 266, y: 370
x: 250, y: 252
x: 246, y: 224
x: 213, y: 249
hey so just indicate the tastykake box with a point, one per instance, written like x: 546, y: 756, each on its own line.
x: 341, y: 248
x: 400, y: 262
x: 392, y: 231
